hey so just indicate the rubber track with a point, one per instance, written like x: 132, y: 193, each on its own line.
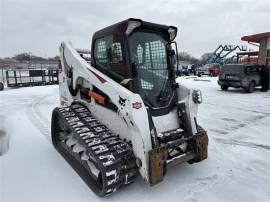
x: 113, y: 156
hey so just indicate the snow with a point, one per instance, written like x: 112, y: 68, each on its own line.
x: 238, y: 167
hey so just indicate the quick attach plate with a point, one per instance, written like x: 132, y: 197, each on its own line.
x: 157, y: 161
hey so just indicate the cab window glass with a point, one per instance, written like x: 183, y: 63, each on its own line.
x: 101, y: 52
x: 109, y: 57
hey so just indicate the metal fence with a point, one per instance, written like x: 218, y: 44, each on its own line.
x: 31, y: 77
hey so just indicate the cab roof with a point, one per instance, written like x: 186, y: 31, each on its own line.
x: 122, y: 26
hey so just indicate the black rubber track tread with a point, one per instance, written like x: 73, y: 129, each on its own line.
x: 113, y: 156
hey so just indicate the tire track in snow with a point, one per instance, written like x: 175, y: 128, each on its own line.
x: 237, y: 108
x: 204, y: 184
x: 38, y: 119
x: 242, y: 143
x: 247, y: 122
x: 237, y: 124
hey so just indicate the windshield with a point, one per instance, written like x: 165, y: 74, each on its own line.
x: 149, y: 52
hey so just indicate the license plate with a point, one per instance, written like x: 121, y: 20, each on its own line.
x: 229, y: 77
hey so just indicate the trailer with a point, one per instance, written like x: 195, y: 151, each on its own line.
x: 31, y: 77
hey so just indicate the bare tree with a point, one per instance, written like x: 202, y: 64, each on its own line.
x: 205, y: 56
x: 184, y: 56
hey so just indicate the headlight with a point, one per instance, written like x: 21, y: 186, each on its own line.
x: 197, y: 96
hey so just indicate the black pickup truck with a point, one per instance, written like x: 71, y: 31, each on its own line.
x: 245, y: 76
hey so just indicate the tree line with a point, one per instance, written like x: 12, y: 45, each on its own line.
x: 182, y: 56
x: 30, y: 57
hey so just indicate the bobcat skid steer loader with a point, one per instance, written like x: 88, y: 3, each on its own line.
x: 122, y: 112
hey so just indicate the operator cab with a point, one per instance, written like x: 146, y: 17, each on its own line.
x: 139, y: 55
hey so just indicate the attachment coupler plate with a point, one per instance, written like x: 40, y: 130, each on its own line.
x: 158, y: 157
x: 157, y: 161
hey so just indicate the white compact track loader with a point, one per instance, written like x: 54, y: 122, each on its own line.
x: 122, y: 111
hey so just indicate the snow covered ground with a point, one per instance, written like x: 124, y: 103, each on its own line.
x: 238, y: 167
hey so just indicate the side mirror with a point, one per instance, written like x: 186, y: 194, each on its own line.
x: 134, y: 72
x: 173, y: 56
x: 172, y: 52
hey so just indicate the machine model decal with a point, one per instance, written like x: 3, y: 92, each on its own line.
x: 136, y: 105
